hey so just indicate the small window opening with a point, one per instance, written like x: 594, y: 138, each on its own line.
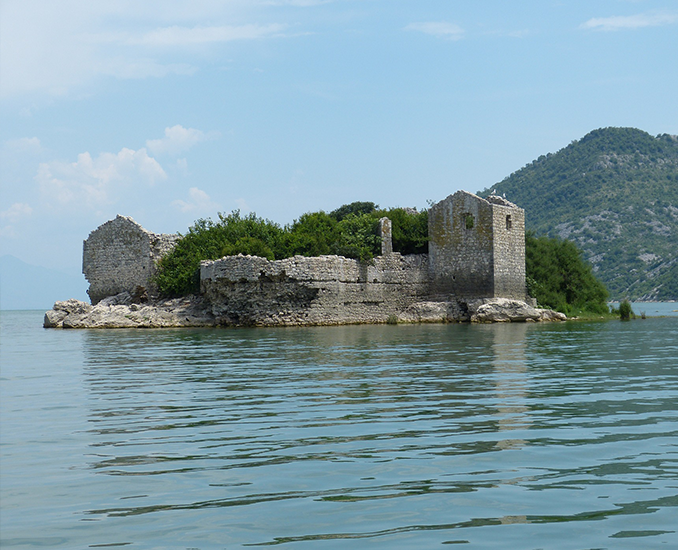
x: 508, y: 222
x: 469, y: 220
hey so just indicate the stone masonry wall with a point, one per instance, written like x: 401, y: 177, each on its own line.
x: 324, y: 290
x: 120, y: 256
x: 509, y: 249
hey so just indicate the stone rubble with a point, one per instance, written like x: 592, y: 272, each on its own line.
x: 121, y: 312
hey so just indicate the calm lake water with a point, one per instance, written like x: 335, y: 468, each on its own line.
x: 521, y: 436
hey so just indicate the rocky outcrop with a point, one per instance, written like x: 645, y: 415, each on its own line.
x: 121, y: 311
x: 501, y: 310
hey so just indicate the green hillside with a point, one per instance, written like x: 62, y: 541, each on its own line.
x: 615, y: 193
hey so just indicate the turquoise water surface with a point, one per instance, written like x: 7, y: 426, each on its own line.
x: 521, y: 436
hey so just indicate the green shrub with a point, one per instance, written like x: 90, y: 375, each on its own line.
x: 409, y: 230
x: 353, y: 209
x: 313, y: 234
x: 179, y: 271
x: 625, y: 311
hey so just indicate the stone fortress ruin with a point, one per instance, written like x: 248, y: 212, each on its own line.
x: 476, y: 260
x: 121, y: 256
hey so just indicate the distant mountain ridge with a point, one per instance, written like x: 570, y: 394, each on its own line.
x: 615, y: 193
x: 25, y: 286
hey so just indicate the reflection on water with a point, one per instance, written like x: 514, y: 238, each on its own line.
x: 399, y: 437
x: 510, y: 375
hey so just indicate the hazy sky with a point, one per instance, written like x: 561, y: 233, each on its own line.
x: 168, y: 111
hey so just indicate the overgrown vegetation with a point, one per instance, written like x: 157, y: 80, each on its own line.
x: 350, y: 231
x: 559, y: 278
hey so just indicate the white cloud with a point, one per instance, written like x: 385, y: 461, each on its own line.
x: 440, y: 29
x: 15, y: 212
x: 199, y: 201
x: 624, y: 22
x: 177, y: 140
x: 97, y: 182
x: 185, y: 36
x: 56, y: 47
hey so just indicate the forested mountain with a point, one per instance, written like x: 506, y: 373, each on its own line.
x: 615, y: 193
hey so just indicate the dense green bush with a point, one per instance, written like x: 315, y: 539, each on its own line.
x: 355, y: 209
x: 625, y: 311
x: 409, y: 230
x: 179, y: 271
x: 559, y: 278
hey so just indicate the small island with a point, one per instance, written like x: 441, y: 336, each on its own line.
x: 473, y: 271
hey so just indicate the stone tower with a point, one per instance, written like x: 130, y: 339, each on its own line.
x: 477, y: 247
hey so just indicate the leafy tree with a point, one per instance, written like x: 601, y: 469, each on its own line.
x: 409, y: 230
x: 313, y: 234
x: 355, y: 208
x: 559, y: 278
x: 358, y: 237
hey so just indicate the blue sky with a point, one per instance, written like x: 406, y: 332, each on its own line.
x: 168, y: 111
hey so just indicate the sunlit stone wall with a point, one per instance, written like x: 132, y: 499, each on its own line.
x: 121, y: 256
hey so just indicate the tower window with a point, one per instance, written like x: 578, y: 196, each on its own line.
x: 508, y: 222
x: 469, y: 220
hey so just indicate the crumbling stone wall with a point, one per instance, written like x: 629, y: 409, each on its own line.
x: 121, y: 256
x: 324, y: 290
x: 477, y: 247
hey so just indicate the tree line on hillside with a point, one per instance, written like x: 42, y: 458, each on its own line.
x: 557, y: 275
x: 615, y: 193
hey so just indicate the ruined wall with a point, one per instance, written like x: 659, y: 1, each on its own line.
x: 120, y: 256
x: 460, y: 246
x: 324, y: 290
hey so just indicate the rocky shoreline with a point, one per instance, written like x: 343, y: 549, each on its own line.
x: 123, y: 311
